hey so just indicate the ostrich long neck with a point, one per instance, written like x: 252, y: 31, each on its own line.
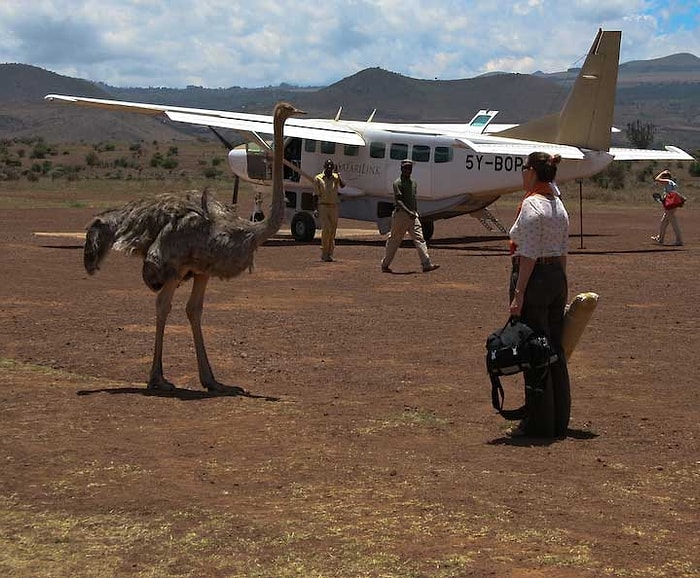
x: 273, y: 223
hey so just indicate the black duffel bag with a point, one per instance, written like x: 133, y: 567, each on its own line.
x: 512, y: 349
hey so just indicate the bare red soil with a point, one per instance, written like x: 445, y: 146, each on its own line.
x: 367, y: 445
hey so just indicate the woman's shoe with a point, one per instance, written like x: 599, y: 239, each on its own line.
x: 517, y: 431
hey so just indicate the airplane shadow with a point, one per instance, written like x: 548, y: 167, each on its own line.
x: 73, y: 247
x: 527, y: 441
x: 624, y: 251
x: 470, y: 243
x: 178, y: 393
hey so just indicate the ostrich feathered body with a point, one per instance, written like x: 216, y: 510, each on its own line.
x: 177, y: 236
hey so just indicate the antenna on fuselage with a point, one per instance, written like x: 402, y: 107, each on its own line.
x: 371, y: 116
x: 337, y: 115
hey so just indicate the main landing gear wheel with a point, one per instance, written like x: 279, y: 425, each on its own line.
x: 303, y: 227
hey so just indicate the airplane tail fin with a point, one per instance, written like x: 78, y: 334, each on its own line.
x: 587, y: 117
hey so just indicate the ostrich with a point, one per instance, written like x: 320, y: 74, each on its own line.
x: 183, y: 237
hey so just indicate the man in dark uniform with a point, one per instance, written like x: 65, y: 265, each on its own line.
x: 405, y: 220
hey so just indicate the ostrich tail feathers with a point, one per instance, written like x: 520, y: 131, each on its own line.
x: 98, y: 242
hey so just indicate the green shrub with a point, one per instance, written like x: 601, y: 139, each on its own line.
x: 212, y: 173
x: 169, y: 163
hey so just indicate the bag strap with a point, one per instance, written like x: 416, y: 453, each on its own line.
x: 497, y: 397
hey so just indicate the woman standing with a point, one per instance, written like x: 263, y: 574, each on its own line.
x: 669, y: 216
x: 538, y: 293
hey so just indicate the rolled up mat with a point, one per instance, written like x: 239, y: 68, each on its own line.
x: 578, y: 314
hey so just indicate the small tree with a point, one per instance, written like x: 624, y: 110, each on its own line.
x: 156, y: 160
x: 640, y: 135
x: 612, y: 177
x: 92, y: 159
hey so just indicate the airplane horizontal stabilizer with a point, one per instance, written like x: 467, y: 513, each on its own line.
x: 670, y: 154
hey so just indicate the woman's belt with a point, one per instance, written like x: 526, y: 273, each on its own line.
x: 548, y: 260
x: 541, y: 260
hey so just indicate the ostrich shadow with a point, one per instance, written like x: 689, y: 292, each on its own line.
x: 180, y: 393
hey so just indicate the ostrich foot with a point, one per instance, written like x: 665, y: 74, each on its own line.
x: 217, y: 387
x: 160, y: 384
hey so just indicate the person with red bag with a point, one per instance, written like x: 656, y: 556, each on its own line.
x: 671, y: 200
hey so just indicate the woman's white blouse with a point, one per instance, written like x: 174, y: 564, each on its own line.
x: 542, y: 228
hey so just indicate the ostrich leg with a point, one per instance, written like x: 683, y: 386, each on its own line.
x: 163, y: 305
x: 195, y: 305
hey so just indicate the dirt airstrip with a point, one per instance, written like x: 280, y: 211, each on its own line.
x: 367, y: 445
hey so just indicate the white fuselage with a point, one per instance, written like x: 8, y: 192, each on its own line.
x: 452, y: 179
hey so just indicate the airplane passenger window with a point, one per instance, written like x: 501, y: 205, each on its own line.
x: 352, y: 150
x: 310, y: 146
x: 443, y: 154
x: 421, y: 153
x: 327, y: 148
x: 377, y: 150
x: 398, y: 151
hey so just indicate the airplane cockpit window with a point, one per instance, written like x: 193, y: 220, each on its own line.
x: 377, y: 150
x: 421, y: 153
x: 443, y: 154
x: 327, y: 148
x: 352, y: 150
x: 309, y: 145
x: 398, y: 151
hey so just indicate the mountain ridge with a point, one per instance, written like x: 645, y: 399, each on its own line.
x: 663, y: 91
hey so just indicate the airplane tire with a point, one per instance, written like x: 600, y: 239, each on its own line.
x: 303, y: 227
x: 428, y: 229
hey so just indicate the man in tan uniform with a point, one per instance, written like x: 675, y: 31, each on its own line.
x: 326, y: 199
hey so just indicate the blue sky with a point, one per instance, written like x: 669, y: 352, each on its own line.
x: 223, y: 43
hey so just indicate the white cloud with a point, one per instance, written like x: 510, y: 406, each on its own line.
x: 220, y: 43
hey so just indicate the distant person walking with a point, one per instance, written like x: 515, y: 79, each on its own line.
x: 405, y: 220
x: 671, y: 201
x: 326, y: 200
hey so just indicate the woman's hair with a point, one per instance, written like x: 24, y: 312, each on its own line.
x: 544, y: 164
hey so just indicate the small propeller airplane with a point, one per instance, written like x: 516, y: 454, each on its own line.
x: 460, y: 168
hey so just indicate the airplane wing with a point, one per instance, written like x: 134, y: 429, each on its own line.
x: 670, y: 154
x: 509, y: 146
x: 316, y: 129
